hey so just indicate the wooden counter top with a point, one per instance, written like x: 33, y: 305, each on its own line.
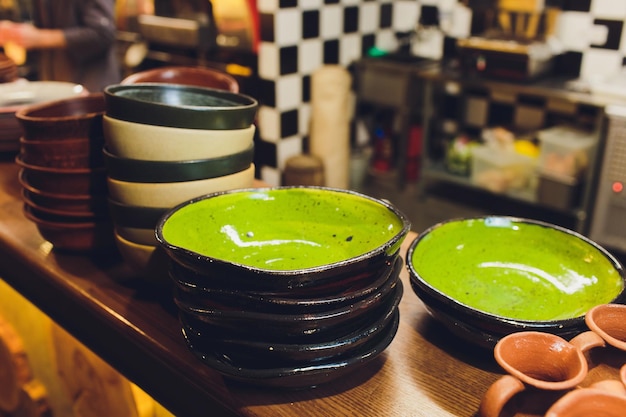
x: 424, y: 372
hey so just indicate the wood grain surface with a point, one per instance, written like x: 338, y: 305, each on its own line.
x: 426, y: 371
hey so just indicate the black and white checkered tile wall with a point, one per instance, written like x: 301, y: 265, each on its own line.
x: 300, y: 36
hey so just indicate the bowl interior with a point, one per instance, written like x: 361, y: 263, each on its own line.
x: 284, y: 228
x: 180, y: 95
x: 517, y: 269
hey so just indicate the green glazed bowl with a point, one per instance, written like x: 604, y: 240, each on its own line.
x: 283, y: 238
x: 487, y: 277
x: 182, y: 106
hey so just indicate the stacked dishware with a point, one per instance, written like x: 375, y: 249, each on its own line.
x: 290, y: 286
x: 165, y: 144
x: 62, y: 172
x: 20, y: 93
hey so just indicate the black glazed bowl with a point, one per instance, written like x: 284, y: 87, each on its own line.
x: 295, y: 327
x: 309, y: 375
x: 139, y: 170
x: 285, y: 303
x: 295, y: 239
x: 487, y: 277
x: 176, y: 105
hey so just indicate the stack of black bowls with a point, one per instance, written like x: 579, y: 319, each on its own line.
x: 292, y: 327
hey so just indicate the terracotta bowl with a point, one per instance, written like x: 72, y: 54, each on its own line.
x: 138, y: 170
x: 180, y: 106
x: 21, y: 93
x: 196, y: 76
x: 283, y: 238
x: 161, y: 143
x: 60, y: 215
x: 69, y: 203
x: 82, y: 181
x: 70, y: 118
x: 75, y: 236
x: 487, y: 277
x: 64, y: 154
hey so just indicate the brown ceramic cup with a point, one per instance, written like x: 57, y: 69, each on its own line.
x: 541, y: 360
x: 605, y: 398
x: 548, y: 362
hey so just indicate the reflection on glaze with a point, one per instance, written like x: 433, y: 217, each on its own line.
x: 515, y: 269
x: 283, y: 229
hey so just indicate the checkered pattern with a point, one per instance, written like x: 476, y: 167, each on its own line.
x: 470, y: 110
x: 299, y: 36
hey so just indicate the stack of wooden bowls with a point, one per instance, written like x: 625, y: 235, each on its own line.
x: 289, y: 286
x: 165, y: 144
x: 62, y: 173
x: 20, y: 93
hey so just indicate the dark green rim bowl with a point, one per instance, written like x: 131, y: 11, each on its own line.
x: 182, y: 106
x: 135, y: 216
x: 139, y: 170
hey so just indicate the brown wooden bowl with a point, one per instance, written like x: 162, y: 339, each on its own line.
x: 198, y: 76
x: 63, y: 181
x: 67, y: 203
x: 85, y: 236
x: 65, y: 154
x: 69, y: 118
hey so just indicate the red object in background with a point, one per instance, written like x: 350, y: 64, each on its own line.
x: 383, y: 151
x: 414, y: 153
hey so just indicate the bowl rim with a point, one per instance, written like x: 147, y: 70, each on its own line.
x: 491, y: 318
x: 24, y: 113
x: 389, y: 248
x: 238, y: 116
x: 219, y: 76
x: 161, y: 171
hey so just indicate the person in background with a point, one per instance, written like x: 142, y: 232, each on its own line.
x: 73, y: 41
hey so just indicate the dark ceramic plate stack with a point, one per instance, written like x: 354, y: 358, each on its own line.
x: 277, y: 338
x: 291, y: 328
x: 62, y: 172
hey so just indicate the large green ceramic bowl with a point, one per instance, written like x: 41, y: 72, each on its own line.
x: 283, y: 238
x: 486, y: 277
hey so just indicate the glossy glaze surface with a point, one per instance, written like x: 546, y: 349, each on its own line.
x: 283, y: 229
x: 516, y: 269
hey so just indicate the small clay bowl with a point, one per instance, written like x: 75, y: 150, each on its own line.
x: 180, y: 106
x: 196, y: 76
x: 283, y: 238
x: 64, y: 154
x: 69, y: 118
x: 59, y: 215
x: 79, y: 181
x: 87, y: 236
x: 487, y: 277
x: 137, y: 170
x: 95, y: 203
